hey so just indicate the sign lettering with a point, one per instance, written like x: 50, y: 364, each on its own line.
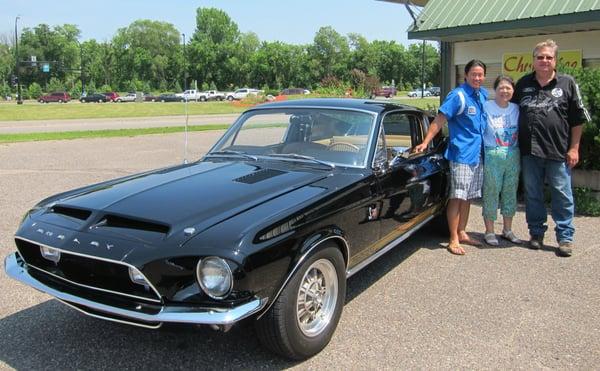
x: 516, y: 65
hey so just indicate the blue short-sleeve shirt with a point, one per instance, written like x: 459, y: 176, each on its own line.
x: 466, y: 123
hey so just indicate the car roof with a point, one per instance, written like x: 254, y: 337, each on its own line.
x: 371, y: 105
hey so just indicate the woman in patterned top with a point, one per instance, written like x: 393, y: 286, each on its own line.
x: 502, y: 161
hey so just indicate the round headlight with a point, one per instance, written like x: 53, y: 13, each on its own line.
x: 214, y: 277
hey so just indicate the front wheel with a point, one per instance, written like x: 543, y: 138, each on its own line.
x: 230, y: 98
x: 304, y: 317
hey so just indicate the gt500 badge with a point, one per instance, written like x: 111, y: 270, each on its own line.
x: 471, y: 110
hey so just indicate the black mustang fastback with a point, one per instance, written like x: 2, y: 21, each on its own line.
x: 296, y: 197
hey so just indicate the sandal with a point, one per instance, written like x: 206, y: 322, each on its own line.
x: 509, y: 235
x: 455, y: 249
x: 490, y: 239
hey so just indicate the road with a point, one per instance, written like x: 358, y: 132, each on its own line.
x: 417, y: 307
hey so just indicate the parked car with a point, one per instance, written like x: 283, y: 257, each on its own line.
x: 111, y: 96
x: 384, y: 91
x: 170, y: 97
x: 95, y: 97
x: 242, y: 93
x: 149, y: 97
x: 266, y: 227
x: 130, y: 97
x: 434, y: 91
x: 294, y: 91
x: 417, y: 93
x: 58, y: 97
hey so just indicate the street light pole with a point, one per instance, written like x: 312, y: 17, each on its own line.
x: 19, y: 99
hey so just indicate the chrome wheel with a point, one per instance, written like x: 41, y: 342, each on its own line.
x: 317, y: 297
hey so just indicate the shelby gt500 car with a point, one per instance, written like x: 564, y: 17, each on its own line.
x: 295, y: 197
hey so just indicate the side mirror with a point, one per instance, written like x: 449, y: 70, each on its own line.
x: 381, y: 167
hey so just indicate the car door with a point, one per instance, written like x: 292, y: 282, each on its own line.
x: 409, y: 183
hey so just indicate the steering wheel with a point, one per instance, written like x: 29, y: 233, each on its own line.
x: 343, y: 147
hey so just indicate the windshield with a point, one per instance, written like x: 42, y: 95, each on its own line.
x: 339, y: 137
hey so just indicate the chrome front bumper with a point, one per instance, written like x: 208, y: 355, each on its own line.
x: 16, y: 269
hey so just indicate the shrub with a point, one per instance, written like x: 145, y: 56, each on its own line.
x: 106, y: 88
x: 34, y: 91
x: 585, y: 202
x: 54, y: 85
x: 588, y: 80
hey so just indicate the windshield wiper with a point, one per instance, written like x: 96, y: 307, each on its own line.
x: 230, y: 152
x: 302, y: 157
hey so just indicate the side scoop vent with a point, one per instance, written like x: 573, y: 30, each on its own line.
x: 114, y: 221
x: 259, y: 176
x: 72, y: 212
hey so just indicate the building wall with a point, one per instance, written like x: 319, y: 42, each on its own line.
x: 490, y: 51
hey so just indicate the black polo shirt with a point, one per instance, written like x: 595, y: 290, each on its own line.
x: 547, y: 114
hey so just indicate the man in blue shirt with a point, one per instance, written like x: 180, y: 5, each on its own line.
x: 463, y: 110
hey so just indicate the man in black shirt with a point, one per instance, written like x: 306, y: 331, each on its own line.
x: 551, y: 115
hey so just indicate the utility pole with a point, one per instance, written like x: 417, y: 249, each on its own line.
x: 81, y: 75
x: 184, y: 65
x: 19, y: 99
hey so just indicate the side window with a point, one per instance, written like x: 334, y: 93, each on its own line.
x: 403, y: 130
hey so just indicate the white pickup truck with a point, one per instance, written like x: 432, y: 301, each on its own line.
x: 242, y: 93
x: 190, y: 94
x: 211, y: 95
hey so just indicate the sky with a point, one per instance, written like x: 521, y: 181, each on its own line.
x: 289, y: 21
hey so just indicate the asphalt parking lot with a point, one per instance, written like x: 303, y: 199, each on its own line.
x: 417, y: 307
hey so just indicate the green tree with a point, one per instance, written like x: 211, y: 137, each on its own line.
x: 215, y: 55
x: 330, y: 53
x: 149, y: 51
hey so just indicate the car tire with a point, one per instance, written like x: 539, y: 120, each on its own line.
x: 293, y: 327
x: 162, y: 100
x: 230, y: 98
x: 82, y: 100
x: 202, y: 99
x: 100, y: 101
x: 60, y: 101
x: 219, y: 98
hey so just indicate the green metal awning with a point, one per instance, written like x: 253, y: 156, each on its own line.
x: 464, y: 20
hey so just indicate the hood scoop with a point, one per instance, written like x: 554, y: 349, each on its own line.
x: 72, y: 212
x: 259, y: 176
x: 125, y: 223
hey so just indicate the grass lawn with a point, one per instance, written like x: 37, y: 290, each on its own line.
x: 33, y: 137
x: 32, y: 110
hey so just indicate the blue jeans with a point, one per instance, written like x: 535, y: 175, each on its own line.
x: 558, y: 176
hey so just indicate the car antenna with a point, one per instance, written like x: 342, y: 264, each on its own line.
x: 185, y: 146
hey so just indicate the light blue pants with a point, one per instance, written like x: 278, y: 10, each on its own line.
x: 500, y: 181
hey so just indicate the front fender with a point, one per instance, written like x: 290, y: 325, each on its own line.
x: 310, y: 245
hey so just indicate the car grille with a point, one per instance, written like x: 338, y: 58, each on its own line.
x: 87, y: 271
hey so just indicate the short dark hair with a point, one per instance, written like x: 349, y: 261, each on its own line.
x: 501, y: 78
x: 474, y: 63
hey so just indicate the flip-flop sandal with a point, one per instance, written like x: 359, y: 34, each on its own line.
x: 455, y: 249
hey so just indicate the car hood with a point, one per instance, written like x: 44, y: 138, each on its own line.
x: 155, y: 206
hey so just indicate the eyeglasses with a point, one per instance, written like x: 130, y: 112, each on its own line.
x: 542, y: 57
